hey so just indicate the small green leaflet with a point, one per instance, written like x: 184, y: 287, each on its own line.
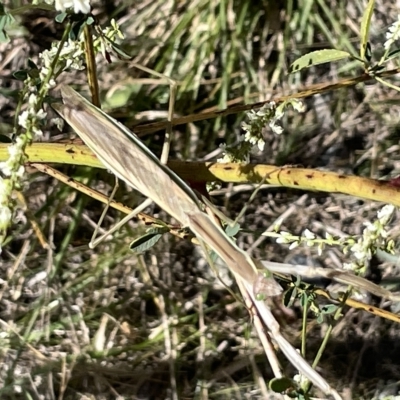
x: 148, y: 240
x: 364, y: 33
x: 318, y: 57
x: 231, y: 231
x: 6, y: 19
x: 280, y: 385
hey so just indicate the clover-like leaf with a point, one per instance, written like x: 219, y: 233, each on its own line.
x: 148, y: 240
x: 318, y: 57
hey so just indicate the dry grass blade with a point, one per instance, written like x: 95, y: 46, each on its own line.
x: 122, y: 152
x: 340, y: 276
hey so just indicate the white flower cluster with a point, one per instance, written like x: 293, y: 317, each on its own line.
x: 30, y: 119
x: 5, y: 210
x: 13, y: 169
x: 71, y: 57
x: 375, y: 236
x: 308, y: 237
x: 393, y: 33
x: 53, y: 63
x: 82, y: 6
x: 268, y: 115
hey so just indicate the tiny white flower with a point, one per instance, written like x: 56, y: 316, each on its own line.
x: 78, y: 5
x: 393, y: 33
x: 23, y: 119
x: 300, y: 379
x: 37, y: 132
x: 13, y: 150
x: 21, y: 171
x: 19, y: 142
x: 3, y: 190
x: 369, y: 227
x: 245, y: 126
x: 282, y: 240
x: 5, y: 168
x: 385, y: 213
x: 349, y: 266
x: 328, y: 236
x: 384, y: 233
x: 59, y: 122
x: 227, y: 158
x: 358, y: 251
x: 308, y: 234
x: 32, y: 99
x: 298, y: 105
x: 270, y: 106
x: 41, y: 114
x: 5, y: 216
x: 277, y: 129
x: 279, y: 113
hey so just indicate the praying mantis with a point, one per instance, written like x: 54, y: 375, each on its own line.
x: 121, y: 151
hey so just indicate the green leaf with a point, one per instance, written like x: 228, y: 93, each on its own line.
x: 318, y: 57
x: 145, y: 242
x: 365, y: 24
x: 296, y: 280
x: 3, y: 37
x: 329, y: 309
x: 368, y: 52
x: 213, y: 256
x: 20, y: 75
x: 119, y: 50
x: 232, y: 230
x: 6, y: 19
x: 289, y: 296
x: 279, y: 385
x: 60, y: 18
x: 5, y: 139
x: 120, y: 97
x: 34, y: 73
x: 261, y: 296
x: 392, y: 54
x: 32, y: 64
x: 79, y: 22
